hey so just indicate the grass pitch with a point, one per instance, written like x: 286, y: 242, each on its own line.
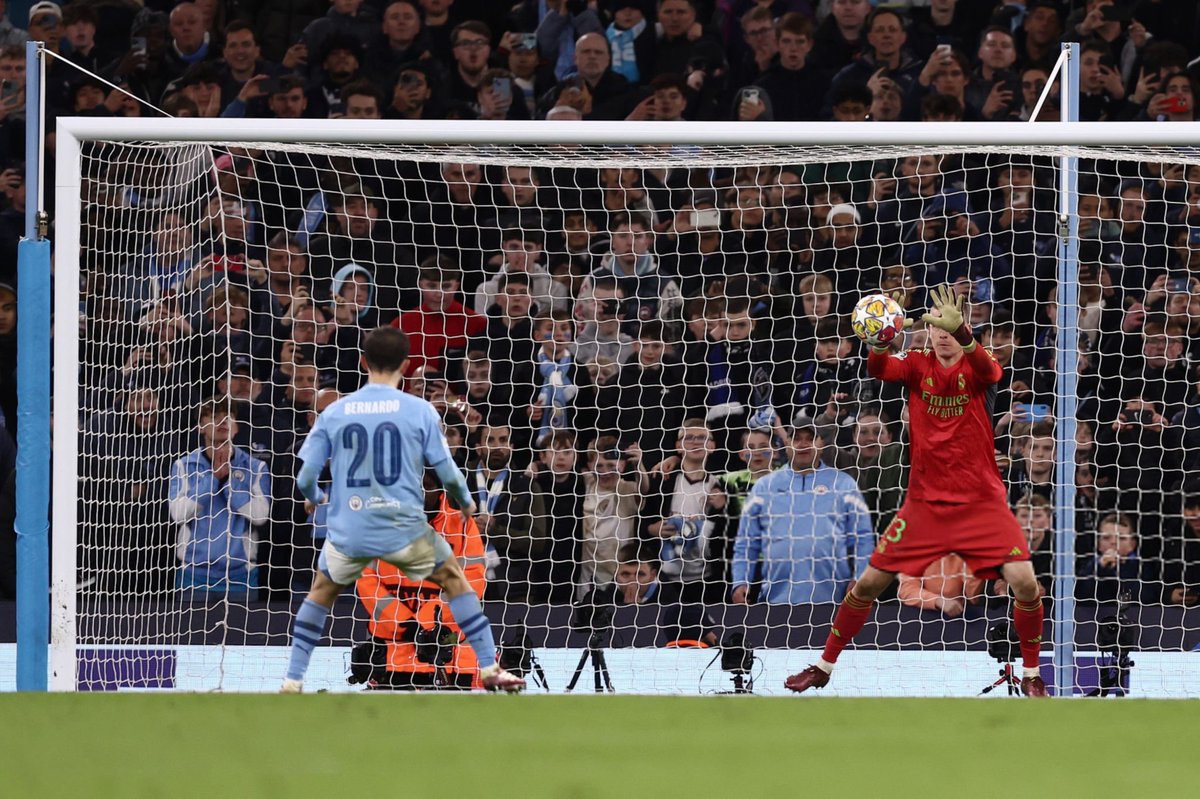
x: 578, y: 747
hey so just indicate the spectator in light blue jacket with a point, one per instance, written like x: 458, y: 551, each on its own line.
x: 805, y: 531
x: 217, y: 494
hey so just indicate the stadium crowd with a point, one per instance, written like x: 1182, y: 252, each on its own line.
x: 619, y: 354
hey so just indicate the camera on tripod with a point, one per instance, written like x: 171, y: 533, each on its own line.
x: 738, y: 660
x: 517, y: 657
x: 594, y: 615
x: 1004, y: 646
x: 1116, y: 638
x: 1002, y: 642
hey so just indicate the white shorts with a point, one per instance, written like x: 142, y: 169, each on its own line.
x: 418, y: 560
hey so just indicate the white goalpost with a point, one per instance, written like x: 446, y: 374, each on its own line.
x: 646, y: 310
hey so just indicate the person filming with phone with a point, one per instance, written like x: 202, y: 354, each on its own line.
x: 494, y: 96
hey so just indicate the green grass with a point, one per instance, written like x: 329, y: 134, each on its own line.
x: 470, y: 747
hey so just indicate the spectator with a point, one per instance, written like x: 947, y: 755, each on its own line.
x: 875, y: 461
x: 345, y: 18
x: 947, y: 586
x: 760, y: 44
x: 885, y: 60
x: 611, y: 91
x: 1102, y: 93
x: 399, y: 41
x: 1033, y: 83
x: 10, y: 35
x: 522, y: 252
x: 126, y: 452
x: 531, y: 78
x: 1035, y: 516
x: 360, y: 100
x: 610, y: 512
x: 340, y: 60
x: 508, y: 337
x: 558, y: 27
x: 1034, y: 473
x: 512, y: 519
x: 1176, y: 103
x: 683, y: 43
x: 1115, y: 571
x: 412, y: 96
x: 564, y: 399
x: 942, y: 22
x: 676, y: 508
x: 472, y: 49
x: 841, y: 36
x: 142, y: 70
x: 45, y: 24
x: 631, y: 40
x: 602, y: 314
x: 1181, y: 558
x: 355, y: 232
x: 440, y: 325
x: 563, y: 490
x: 757, y: 454
x: 805, y: 526
x: 834, y: 373
x: 995, y: 89
x: 1043, y: 30
x: 495, y: 99
x: 189, y: 39
x: 647, y: 413
x: 218, y: 494
x: 651, y: 295
x: 241, y: 68
x: 793, y: 85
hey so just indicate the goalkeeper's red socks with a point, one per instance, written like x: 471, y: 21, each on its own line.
x: 1027, y: 619
x: 851, y: 616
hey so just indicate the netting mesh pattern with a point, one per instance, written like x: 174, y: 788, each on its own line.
x: 619, y: 340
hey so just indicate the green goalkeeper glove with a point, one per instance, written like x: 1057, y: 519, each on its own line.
x: 949, y: 314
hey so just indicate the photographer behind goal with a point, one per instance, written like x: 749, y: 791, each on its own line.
x: 636, y: 583
x: 415, y: 642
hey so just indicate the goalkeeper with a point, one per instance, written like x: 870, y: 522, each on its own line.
x: 379, y: 441
x: 956, y: 502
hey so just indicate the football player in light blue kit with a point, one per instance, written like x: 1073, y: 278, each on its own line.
x: 379, y: 441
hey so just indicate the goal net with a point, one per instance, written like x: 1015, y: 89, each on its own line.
x: 622, y: 340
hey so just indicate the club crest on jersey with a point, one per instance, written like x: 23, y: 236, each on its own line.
x: 355, y: 502
x: 962, y: 383
x: 818, y: 490
x: 929, y: 382
x: 238, y: 474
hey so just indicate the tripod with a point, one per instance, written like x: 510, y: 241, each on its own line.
x: 599, y: 666
x: 1007, y: 678
x: 1114, y: 678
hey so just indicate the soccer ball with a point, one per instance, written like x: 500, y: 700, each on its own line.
x: 877, y: 319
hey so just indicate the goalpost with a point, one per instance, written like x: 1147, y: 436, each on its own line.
x: 991, y: 208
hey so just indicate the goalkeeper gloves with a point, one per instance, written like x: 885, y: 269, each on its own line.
x: 949, y: 316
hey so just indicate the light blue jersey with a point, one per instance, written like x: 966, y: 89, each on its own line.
x: 379, y: 440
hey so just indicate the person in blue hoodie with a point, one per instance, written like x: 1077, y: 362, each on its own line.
x: 805, y: 531
x: 218, y: 493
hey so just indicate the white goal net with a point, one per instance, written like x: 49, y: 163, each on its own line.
x: 622, y: 340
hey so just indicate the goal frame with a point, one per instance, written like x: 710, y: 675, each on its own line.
x: 73, y: 132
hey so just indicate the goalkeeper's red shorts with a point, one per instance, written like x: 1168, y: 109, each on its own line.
x: 986, y: 536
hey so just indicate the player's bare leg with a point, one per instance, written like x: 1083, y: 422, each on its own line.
x: 468, y: 614
x: 1027, y: 621
x: 308, y: 628
x: 852, y: 614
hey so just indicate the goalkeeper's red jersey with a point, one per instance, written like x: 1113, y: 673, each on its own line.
x: 950, y: 423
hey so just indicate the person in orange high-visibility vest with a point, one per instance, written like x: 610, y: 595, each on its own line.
x: 405, y: 614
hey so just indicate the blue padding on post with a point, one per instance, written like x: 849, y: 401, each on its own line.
x: 33, y: 464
